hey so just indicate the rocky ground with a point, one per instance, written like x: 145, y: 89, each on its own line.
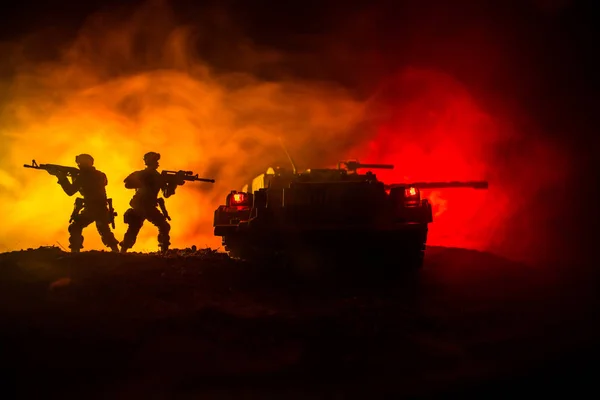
x: 197, y: 324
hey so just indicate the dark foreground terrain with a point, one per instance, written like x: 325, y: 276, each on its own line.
x: 199, y: 325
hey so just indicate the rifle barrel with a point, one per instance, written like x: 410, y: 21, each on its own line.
x: 204, y: 180
x: 187, y: 176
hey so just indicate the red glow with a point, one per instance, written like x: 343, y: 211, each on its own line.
x: 411, y: 192
x: 238, y: 197
x: 433, y: 129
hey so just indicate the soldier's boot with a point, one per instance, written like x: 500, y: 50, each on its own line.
x: 130, y: 236
x: 164, y: 240
x: 107, y: 236
x: 113, y: 245
x: 128, y: 241
x: 75, y: 238
x: 126, y: 244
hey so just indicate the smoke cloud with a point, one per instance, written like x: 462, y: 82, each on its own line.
x: 128, y: 86
x: 133, y: 83
x: 433, y: 129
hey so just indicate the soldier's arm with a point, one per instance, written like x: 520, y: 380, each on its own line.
x: 168, y: 187
x: 170, y: 183
x: 168, y: 190
x: 70, y: 188
x: 133, y: 181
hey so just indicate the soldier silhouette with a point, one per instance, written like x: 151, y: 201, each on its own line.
x: 91, y: 184
x: 147, y: 184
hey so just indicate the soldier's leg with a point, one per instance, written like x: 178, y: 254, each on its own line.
x: 134, y: 220
x: 76, y: 228
x: 107, y: 236
x: 159, y: 220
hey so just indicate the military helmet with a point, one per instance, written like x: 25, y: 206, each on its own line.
x: 84, y: 160
x: 151, y: 158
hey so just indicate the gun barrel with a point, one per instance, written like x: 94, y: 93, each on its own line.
x: 187, y: 176
x: 354, y: 165
x: 445, y: 185
x: 204, y: 180
x: 175, y: 172
x: 378, y: 166
x: 53, y: 167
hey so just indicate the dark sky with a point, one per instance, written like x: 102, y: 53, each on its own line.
x: 533, y: 55
x: 538, y: 52
x: 541, y: 50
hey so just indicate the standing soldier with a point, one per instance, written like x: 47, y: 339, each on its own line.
x: 147, y: 184
x: 94, y: 207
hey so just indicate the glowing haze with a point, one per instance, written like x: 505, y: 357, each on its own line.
x: 126, y: 87
x: 434, y: 130
x: 107, y: 98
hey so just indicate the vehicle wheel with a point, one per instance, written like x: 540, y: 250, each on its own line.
x: 406, y: 253
x: 244, y: 249
x: 236, y: 247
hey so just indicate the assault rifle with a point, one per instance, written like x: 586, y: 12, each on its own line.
x: 178, y: 178
x: 161, y: 203
x: 54, y: 169
x: 80, y: 203
x: 111, y: 213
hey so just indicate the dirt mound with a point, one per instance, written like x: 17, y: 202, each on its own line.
x: 195, y: 321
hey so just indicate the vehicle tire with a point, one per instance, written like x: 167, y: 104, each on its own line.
x: 243, y: 248
x: 406, y: 252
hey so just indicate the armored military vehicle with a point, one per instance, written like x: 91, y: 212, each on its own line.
x: 335, y: 210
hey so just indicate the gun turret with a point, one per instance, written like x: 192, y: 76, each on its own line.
x: 54, y: 169
x: 353, y: 165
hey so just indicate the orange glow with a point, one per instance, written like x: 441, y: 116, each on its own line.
x: 133, y: 84
x: 108, y: 98
x: 412, y: 191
